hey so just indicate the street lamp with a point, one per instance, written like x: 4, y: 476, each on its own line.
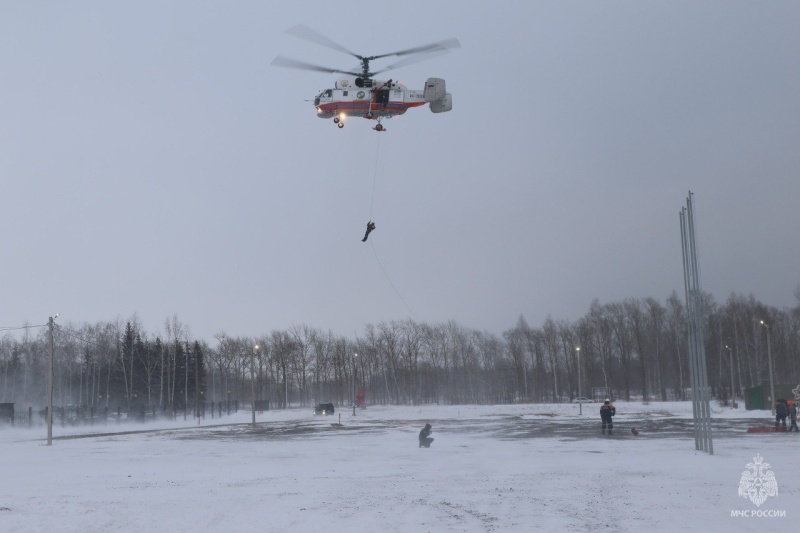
x: 730, y: 357
x: 769, y: 366
x: 50, y: 359
x: 253, y: 382
x: 355, y: 354
x: 580, y: 401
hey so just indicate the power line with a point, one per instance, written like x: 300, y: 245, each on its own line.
x: 12, y: 328
x: 75, y: 335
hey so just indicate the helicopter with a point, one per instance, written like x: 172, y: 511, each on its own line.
x: 360, y: 94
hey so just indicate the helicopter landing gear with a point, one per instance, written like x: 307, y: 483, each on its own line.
x: 335, y: 120
x: 340, y: 124
x: 379, y: 127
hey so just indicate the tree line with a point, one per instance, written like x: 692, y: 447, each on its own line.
x: 633, y: 349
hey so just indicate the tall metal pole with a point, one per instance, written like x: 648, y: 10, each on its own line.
x: 253, y: 382
x: 697, y: 355
x: 197, y: 388
x: 689, y: 324
x: 733, y: 394
x: 355, y: 354
x: 769, y: 368
x: 580, y: 396
x: 50, y: 383
x: 700, y: 351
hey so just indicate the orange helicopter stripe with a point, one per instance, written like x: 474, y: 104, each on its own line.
x: 393, y: 106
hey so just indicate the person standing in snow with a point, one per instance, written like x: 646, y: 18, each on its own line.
x: 424, y: 437
x: 780, y: 413
x: 792, y: 410
x: 607, y: 410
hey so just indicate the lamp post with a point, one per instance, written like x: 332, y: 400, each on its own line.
x: 50, y: 379
x: 355, y: 354
x: 253, y: 382
x: 580, y: 401
x: 730, y: 357
x: 769, y: 367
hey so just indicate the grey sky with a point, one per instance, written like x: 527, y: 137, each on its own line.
x: 152, y: 162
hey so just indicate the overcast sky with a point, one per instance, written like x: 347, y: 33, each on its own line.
x: 153, y: 162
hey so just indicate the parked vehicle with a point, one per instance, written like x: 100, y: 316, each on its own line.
x: 324, y: 409
x: 581, y: 399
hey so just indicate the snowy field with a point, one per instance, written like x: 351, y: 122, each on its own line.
x: 491, y: 468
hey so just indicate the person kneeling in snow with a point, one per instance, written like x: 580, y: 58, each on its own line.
x: 607, y: 410
x: 424, y: 437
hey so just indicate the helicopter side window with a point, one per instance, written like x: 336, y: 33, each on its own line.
x: 344, y: 93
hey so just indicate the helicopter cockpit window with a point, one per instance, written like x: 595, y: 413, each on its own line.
x: 329, y: 93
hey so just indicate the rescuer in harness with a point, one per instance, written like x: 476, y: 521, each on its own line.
x: 370, y: 227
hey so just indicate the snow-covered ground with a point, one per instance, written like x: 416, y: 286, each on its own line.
x: 491, y: 468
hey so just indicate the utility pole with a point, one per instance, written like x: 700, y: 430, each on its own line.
x: 253, y: 382
x: 50, y: 382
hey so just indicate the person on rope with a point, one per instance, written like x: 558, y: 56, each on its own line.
x: 370, y: 227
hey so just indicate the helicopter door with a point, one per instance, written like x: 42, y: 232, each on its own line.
x: 382, y: 97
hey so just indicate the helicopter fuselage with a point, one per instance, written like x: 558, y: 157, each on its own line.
x: 363, y: 96
x: 381, y: 99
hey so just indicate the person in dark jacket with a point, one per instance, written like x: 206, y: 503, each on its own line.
x: 607, y: 410
x: 780, y: 413
x: 792, y: 412
x: 424, y: 437
x: 370, y: 227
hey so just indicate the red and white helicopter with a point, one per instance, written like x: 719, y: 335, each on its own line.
x: 360, y: 95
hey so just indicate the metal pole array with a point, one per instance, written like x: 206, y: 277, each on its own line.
x: 701, y: 409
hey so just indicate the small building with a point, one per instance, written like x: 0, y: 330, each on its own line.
x: 7, y: 413
x: 758, y: 397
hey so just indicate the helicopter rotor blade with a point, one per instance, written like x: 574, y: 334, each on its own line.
x: 410, y: 61
x: 304, y: 32
x: 288, y: 62
x: 441, y: 46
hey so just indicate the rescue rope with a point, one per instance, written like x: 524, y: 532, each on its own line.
x: 375, y: 177
x: 392, y: 284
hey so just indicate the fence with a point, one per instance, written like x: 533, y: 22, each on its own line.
x: 72, y: 415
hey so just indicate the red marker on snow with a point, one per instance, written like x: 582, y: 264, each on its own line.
x: 634, y: 431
